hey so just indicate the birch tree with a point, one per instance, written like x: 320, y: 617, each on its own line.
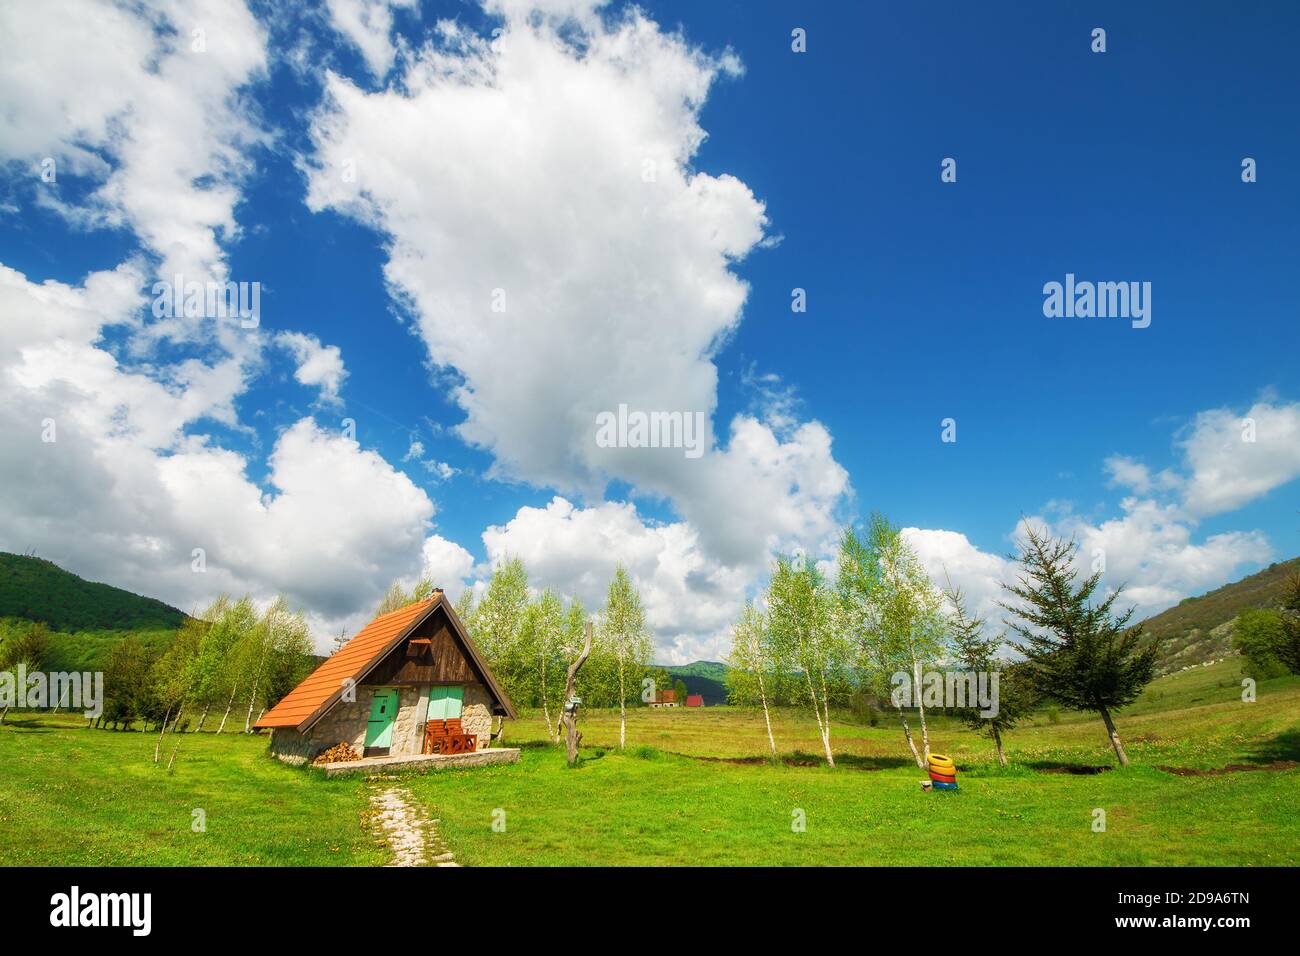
x: 912, y: 612
x: 804, y: 640
x: 175, y: 674
x: 221, y: 654
x: 624, y: 634
x: 886, y: 603
x: 546, y: 623
x: 290, y: 656
x: 747, y: 663
x: 465, y: 609
x: 398, y: 597
x: 497, y: 626
x: 255, y: 652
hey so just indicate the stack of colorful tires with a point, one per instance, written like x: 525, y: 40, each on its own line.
x: 943, y: 772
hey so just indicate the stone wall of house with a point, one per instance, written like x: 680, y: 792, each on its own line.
x: 408, y: 732
x: 346, y: 723
x: 292, y: 747
x: 476, y: 715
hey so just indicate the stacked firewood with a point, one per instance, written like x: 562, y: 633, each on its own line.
x: 339, y: 753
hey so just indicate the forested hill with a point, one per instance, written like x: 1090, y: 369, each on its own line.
x: 1199, y: 629
x: 33, y: 589
x: 706, y: 678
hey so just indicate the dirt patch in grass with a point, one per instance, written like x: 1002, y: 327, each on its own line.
x: 1230, y: 768
x: 847, y: 761
x: 1077, y: 769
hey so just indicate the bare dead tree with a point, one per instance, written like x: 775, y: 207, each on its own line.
x: 569, y: 718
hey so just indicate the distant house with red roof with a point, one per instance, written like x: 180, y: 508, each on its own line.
x: 665, y: 698
x: 694, y: 700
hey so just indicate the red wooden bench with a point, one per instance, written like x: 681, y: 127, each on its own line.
x: 448, y: 737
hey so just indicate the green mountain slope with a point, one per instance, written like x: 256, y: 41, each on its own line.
x: 37, y: 590
x: 1199, y: 629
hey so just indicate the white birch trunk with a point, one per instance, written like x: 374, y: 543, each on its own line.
x: 907, y: 732
x: 767, y: 717
x: 826, y: 706
x: 822, y: 728
x: 257, y: 677
x: 622, y: 703
x: 546, y: 705
x: 157, y: 747
x: 762, y: 693
x: 920, y: 705
x: 229, y: 704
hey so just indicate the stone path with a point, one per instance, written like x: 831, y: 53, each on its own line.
x: 410, y: 834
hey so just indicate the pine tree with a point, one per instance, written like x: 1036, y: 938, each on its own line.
x: 1287, y: 647
x: 1083, y: 656
x: 975, y: 651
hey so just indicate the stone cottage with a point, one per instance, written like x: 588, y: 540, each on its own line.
x: 403, y: 672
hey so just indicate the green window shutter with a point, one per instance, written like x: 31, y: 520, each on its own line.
x: 445, y: 702
x: 437, y: 703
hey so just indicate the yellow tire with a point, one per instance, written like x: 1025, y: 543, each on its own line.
x: 943, y: 766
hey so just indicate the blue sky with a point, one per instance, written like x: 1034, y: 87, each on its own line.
x: 817, y: 170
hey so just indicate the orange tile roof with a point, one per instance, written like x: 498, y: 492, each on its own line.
x: 353, y: 659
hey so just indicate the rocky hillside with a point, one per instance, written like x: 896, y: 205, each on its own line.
x: 1199, y: 629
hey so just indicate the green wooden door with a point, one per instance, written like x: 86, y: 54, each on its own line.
x: 383, y: 714
x: 445, y: 702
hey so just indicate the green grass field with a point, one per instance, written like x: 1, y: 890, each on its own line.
x: 693, y: 788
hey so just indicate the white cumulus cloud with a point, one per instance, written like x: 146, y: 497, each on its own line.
x: 559, y: 251
x: 320, y: 366
x: 690, y: 599
x: 1234, y: 458
x: 368, y: 25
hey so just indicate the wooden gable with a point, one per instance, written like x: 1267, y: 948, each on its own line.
x: 431, y: 654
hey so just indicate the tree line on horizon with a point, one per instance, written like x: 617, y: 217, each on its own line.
x: 227, y: 660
